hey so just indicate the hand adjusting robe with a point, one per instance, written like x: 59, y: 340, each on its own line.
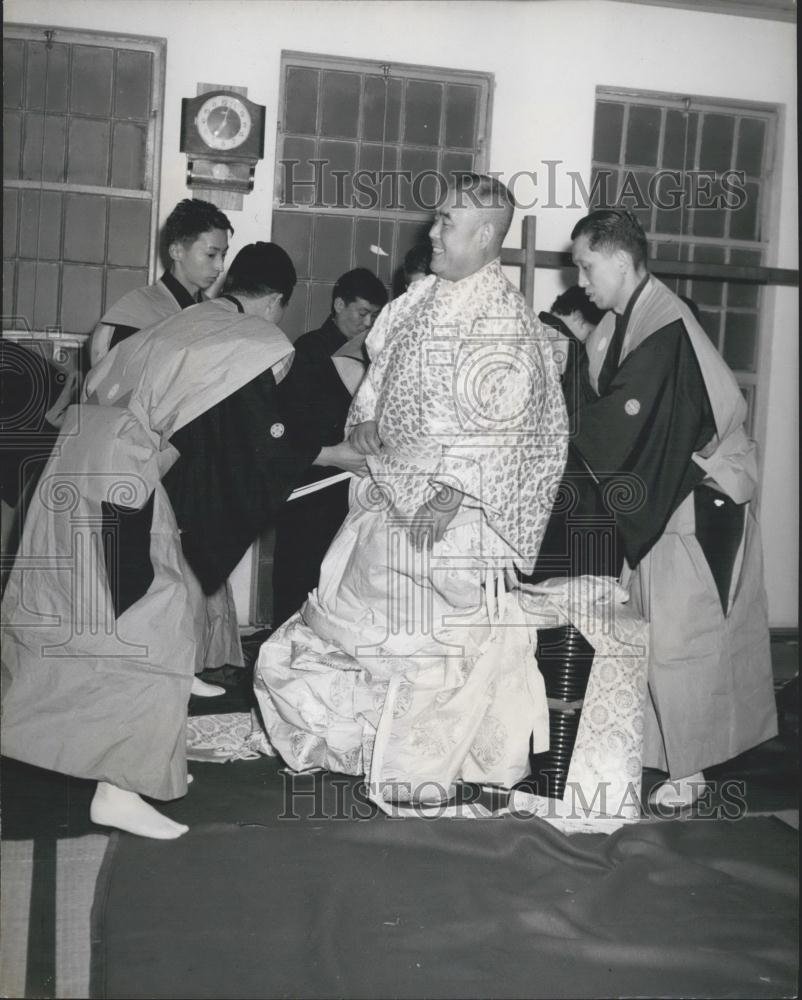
x: 465, y: 392
x: 99, y: 691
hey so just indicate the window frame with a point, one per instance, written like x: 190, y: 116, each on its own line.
x: 157, y: 47
x: 438, y: 74
x: 772, y: 115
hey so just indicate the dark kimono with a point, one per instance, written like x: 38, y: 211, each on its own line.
x: 316, y: 401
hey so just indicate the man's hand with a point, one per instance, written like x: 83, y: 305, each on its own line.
x: 431, y: 519
x: 342, y: 456
x: 365, y: 438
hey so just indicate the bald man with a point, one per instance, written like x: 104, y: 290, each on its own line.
x: 462, y: 422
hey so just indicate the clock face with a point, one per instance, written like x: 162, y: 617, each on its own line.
x: 223, y: 122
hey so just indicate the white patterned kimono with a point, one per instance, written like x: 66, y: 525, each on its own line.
x: 394, y: 642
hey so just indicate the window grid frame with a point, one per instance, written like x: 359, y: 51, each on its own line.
x: 405, y: 72
x: 153, y: 123
x: 686, y: 242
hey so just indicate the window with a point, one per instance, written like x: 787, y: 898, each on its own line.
x: 697, y: 173
x: 82, y: 137
x: 360, y: 153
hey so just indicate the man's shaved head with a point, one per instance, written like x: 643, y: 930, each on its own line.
x: 488, y: 194
x: 470, y: 225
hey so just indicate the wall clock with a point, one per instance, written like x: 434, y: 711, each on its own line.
x: 223, y: 135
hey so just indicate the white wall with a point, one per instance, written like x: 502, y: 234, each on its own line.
x: 547, y: 58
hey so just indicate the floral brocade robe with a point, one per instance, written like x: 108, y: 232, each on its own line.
x: 391, y: 668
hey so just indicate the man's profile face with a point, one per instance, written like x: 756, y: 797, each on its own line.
x: 198, y: 265
x: 456, y: 237
x: 600, y: 273
x: 354, y: 318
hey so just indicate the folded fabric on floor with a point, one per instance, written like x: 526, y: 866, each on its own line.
x: 225, y: 737
x: 604, y: 775
x: 323, y: 906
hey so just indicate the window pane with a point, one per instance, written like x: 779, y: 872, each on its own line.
x: 422, y: 113
x: 129, y: 156
x: 708, y: 292
x: 742, y: 294
x: 604, y: 186
x: 340, y: 114
x: 372, y: 232
x: 708, y: 221
x: 717, y: 137
x: 607, y: 131
x: 456, y: 164
x: 293, y: 232
x: 678, y: 140
x: 745, y: 221
x: 643, y: 135
x: 129, y: 232
x: 669, y: 195
x: 319, y: 302
x: 9, y: 281
x: 13, y: 59
x: 374, y: 156
x: 298, y: 176
x: 374, y: 159
x: 37, y: 293
x: 85, y: 228
x: 90, y: 93
x: 35, y: 76
x: 44, y: 161
x: 10, y: 222
x: 751, y: 138
x: 423, y: 193
x: 379, y: 123
x: 740, y: 341
x: 331, y: 247
x: 461, y: 105
x: 88, y: 152
x: 300, y: 100
x: 132, y: 84
x: 338, y: 156
x: 12, y: 129
x: 40, y: 225
x: 81, y: 298
x: 120, y: 281
x: 58, y: 71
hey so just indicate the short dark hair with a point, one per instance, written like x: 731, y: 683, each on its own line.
x: 189, y: 219
x: 574, y: 299
x: 359, y: 284
x: 259, y: 269
x: 418, y: 260
x: 611, y: 229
